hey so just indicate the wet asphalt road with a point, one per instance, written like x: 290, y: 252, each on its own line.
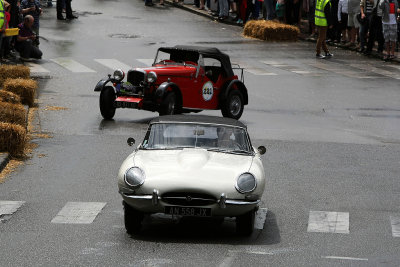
x: 331, y: 129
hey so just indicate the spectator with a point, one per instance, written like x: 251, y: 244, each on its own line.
x: 223, y: 9
x: 342, y: 19
x: 33, y: 8
x: 354, y: 9
x: 256, y: 9
x: 24, y: 40
x: 3, y: 22
x: 366, y: 7
x: 390, y: 9
x: 311, y: 18
x: 269, y: 6
x: 280, y: 10
x: 334, y: 32
x: 49, y: 3
x: 375, y: 30
x: 323, y: 20
x: 68, y: 9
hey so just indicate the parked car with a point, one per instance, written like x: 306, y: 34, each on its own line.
x: 181, y: 79
x: 192, y: 165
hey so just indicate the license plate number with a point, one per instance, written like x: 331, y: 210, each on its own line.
x: 188, y: 211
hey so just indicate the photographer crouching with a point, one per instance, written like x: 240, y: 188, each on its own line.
x: 33, y: 8
x: 25, y: 39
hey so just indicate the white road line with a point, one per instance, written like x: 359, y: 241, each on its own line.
x: 72, y: 65
x: 36, y: 68
x: 345, y: 258
x: 113, y: 64
x: 8, y: 208
x: 395, y: 221
x: 261, y: 216
x: 146, y: 61
x: 328, y: 222
x: 259, y: 71
x: 79, y: 212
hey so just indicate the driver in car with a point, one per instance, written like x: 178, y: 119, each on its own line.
x: 225, y: 139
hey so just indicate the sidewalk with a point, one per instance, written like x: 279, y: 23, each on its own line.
x: 304, y: 36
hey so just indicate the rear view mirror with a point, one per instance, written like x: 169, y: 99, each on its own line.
x: 131, y: 141
x: 261, y: 150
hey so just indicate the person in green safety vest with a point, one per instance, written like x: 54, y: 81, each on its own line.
x: 3, y: 21
x: 323, y: 20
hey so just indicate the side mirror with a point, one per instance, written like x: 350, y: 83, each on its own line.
x: 261, y: 150
x: 131, y: 141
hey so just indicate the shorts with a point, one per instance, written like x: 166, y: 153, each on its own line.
x: 389, y: 32
x: 352, y: 20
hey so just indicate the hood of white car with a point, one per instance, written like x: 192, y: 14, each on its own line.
x: 190, y: 168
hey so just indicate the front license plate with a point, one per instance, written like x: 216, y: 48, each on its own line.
x: 188, y: 211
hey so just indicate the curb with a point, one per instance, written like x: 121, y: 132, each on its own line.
x: 4, y: 159
x: 302, y: 35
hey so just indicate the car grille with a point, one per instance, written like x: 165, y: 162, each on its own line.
x: 188, y: 199
x: 135, y: 77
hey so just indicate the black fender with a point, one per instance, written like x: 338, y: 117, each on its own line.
x: 162, y: 90
x: 101, y: 84
x: 227, y: 87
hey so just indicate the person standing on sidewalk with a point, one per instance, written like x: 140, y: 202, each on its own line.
x: 366, y: 7
x: 390, y: 9
x: 68, y: 9
x: 323, y: 20
x: 375, y: 30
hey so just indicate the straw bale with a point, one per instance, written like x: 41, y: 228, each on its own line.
x: 25, y: 88
x: 12, y: 113
x: 9, y: 97
x: 13, y: 72
x: 270, y: 30
x: 12, y: 138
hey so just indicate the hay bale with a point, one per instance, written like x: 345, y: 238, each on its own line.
x: 25, y: 88
x: 270, y: 30
x: 12, y: 113
x: 9, y: 97
x: 13, y: 72
x: 12, y: 139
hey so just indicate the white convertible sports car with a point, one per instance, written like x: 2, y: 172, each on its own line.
x: 193, y: 166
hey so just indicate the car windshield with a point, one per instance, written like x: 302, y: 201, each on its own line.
x: 220, y: 138
x: 176, y: 59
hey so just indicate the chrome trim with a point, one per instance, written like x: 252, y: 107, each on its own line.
x: 222, y: 201
x: 241, y: 191
x: 155, y: 197
x: 139, y: 197
x: 135, y: 186
x: 241, y: 202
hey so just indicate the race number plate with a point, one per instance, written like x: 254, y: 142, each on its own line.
x: 188, y: 211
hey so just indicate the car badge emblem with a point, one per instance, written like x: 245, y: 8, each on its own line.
x: 188, y: 198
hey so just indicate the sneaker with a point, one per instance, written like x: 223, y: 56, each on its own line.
x: 328, y: 55
x: 319, y: 56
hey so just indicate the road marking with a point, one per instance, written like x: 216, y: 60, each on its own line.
x: 113, y: 64
x: 328, y: 222
x: 79, y: 212
x: 71, y: 65
x: 395, y: 221
x: 146, y: 61
x: 261, y: 216
x: 345, y: 258
x: 259, y: 71
x: 36, y: 68
x: 8, y: 208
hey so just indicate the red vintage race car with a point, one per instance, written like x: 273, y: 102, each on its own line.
x: 181, y: 79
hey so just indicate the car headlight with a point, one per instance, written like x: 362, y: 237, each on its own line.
x: 119, y: 75
x: 134, y: 177
x: 151, y: 77
x: 246, y: 183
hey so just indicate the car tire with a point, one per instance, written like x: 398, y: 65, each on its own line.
x: 233, y: 105
x: 107, y: 99
x: 133, y: 219
x: 169, y: 105
x: 245, y: 223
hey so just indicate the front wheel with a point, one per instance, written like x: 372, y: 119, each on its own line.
x: 233, y: 105
x: 133, y: 219
x: 245, y: 223
x: 107, y: 99
x: 169, y: 105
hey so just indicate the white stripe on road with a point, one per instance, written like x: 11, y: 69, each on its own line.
x: 261, y: 216
x: 36, y: 68
x: 79, y: 212
x: 113, y: 64
x: 345, y: 258
x: 328, y: 222
x: 395, y: 221
x: 8, y: 208
x: 71, y: 65
x: 259, y: 71
x: 146, y: 61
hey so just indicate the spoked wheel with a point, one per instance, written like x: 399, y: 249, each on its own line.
x: 107, y: 99
x: 233, y: 106
x: 133, y: 219
x: 169, y: 106
x: 245, y: 223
